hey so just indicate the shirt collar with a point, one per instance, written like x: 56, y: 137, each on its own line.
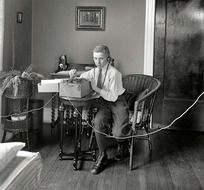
x: 105, y: 67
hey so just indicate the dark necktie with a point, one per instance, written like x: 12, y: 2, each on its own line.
x: 99, y: 82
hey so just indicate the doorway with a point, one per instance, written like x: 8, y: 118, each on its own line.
x: 178, y: 62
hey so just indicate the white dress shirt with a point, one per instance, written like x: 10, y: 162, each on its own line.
x: 112, y: 86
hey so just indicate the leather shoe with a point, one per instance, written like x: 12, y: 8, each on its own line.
x: 100, y: 163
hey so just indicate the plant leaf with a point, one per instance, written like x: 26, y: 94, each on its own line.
x: 29, y: 69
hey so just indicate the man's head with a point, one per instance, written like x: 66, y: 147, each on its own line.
x: 100, y: 55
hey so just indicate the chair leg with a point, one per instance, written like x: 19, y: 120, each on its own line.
x: 27, y: 140
x: 150, y: 144
x: 148, y: 138
x: 4, y: 137
x: 92, y: 145
x: 150, y: 148
x: 131, y: 153
x: 21, y: 136
x: 91, y: 139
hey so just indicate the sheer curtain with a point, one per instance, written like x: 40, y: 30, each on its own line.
x: 1, y: 47
x: 1, y: 32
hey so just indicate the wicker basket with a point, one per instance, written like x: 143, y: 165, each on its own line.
x: 17, y: 126
x: 24, y: 89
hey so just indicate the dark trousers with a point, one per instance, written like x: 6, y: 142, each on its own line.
x: 111, y: 118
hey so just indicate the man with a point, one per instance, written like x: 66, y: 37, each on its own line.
x: 106, y: 80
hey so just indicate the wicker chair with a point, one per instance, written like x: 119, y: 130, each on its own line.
x: 141, y: 92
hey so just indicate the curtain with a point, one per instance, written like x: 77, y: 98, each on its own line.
x: 1, y: 47
x: 1, y: 32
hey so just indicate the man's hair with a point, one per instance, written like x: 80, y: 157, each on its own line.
x: 103, y: 49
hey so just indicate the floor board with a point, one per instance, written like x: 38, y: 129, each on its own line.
x: 177, y: 162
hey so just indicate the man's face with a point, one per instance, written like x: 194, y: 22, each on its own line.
x: 100, y: 59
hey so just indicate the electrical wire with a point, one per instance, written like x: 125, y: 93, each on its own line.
x: 111, y: 136
x: 146, y: 134
x: 32, y: 110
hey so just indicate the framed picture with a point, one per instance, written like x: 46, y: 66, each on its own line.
x: 90, y: 18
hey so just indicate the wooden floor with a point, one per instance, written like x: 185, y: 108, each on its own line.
x: 177, y: 162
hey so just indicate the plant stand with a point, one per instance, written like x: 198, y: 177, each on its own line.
x: 17, y: 107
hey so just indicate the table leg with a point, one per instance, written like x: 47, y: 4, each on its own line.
x: 61, y: 117
x: 76, y: 141
x: 53, y: 115
x: 78, y: 154
x: 80, y: 131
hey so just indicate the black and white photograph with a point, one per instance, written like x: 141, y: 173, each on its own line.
x: 101, y: 94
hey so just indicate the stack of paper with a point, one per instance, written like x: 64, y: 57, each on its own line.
x: 50, y: 85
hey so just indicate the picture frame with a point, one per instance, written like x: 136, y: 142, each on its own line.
x: 90, y: 18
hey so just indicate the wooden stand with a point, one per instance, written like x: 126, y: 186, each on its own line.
x: 17, y: 107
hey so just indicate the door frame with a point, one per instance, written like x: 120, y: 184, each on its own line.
x: 149, y: 37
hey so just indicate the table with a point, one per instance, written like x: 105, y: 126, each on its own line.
x: 76, y: 105
x: 55, y: 100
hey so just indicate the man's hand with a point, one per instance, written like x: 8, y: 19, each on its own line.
x: 94, y: 87
x: 72, y: 73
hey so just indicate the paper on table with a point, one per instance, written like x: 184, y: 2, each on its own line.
x: 64, y: 72
x: 51, y: 81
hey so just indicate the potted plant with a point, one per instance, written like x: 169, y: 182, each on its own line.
x: 19, y: 83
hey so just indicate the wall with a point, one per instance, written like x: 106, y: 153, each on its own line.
x: 54, y: 34
x: 17, y: 37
